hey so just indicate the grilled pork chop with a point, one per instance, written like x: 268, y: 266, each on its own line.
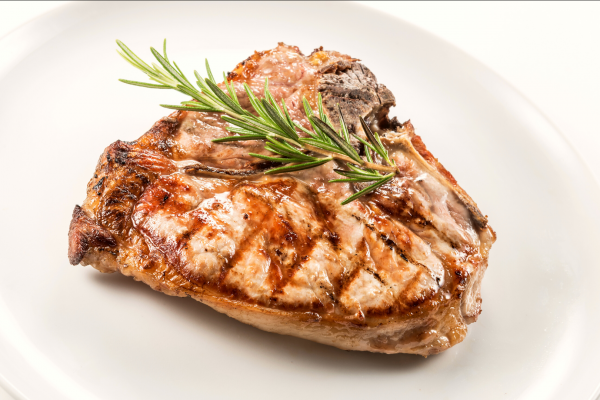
x: 397, y: 271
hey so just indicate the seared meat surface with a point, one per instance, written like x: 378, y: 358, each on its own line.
x: 398, y: 270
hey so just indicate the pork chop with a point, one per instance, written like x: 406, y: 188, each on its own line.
x: 397, y: 271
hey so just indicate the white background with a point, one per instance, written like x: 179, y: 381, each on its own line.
x: 548, y: 51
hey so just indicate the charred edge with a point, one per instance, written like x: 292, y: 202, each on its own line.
x: 85, y: 233
x: 121, y: 154
x: 158, y: 137
x: 394, y: 125
x: 115, y: 205
x: 336, y: 67
x: 97, y: 187
x: 318, y: 49
x: 478, y: 216
x: 125, y: 181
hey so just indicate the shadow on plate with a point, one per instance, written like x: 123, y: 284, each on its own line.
x: 309, y: 353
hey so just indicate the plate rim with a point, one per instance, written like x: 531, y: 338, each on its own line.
x: 80, y: 9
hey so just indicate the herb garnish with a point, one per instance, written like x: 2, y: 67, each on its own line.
x: 273, y: 124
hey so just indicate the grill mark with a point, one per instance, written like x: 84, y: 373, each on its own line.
x: 233, y: 261
x: 404, y: 255
x: 391, y: 244
x: 290, y: 272
x: 303, y: 244
x: 174, y: 253
x: 326, y: 215
x: 279, y: 275
x: 163, y: 198
x: 409, y: 288
x: 347, y: 280
x: 376, y: 276
x: 394, y: 247
x: 322, y: 231
x: 341, y: 281
x: 446, y: 264
x: 239, y: 250
x: 357, y: 262
x: 402, y: 303
x: 401, y: 297
x: 363, y: 73
x: 401, y: 212
x: 275, y: 277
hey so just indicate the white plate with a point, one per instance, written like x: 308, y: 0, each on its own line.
x: 71, y: 333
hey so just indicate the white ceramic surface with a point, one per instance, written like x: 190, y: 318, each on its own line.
x: 71, y: 333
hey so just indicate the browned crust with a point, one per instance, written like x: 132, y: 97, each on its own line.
x: 122, y: 173
x: 384, y: 334
x: 418, y: 144
x: 244, y: 70
x: 84, y: 233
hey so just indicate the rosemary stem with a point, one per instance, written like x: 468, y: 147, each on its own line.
x: 380, y: 167
x: 342, y: 157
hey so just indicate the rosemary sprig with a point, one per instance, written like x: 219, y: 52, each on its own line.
x: 272, y: 124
